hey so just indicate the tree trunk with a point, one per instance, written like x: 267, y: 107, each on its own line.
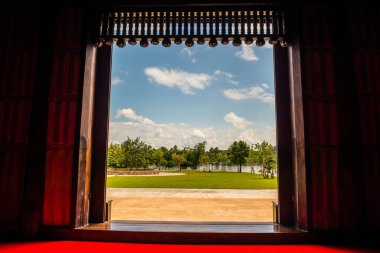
x: 239, y: 168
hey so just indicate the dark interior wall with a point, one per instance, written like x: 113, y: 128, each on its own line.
x: 18, y: 69
x: 341, y: 88
x: 366, y: 65
x: 40, y: 109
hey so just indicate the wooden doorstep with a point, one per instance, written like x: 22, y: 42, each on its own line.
x: 182, y: 233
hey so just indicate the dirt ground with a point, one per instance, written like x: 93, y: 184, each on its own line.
x: 192, y: 205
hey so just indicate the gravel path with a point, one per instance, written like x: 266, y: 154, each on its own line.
x: 190, y: 193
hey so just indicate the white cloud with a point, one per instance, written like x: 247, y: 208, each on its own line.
x: 228, y: 76
x: 259, y: 134
x: 236, y: 121
x: 182, y: 135
x: 170, y: 134
x: 188, y: 53
x: 185, y: 81
x: 115, y: 80
x: 254, y: 92
x: 199, y: 134
x: 162, y: 133
x: 159, y: 133
x: 246, y: 53
x: 130, y: 114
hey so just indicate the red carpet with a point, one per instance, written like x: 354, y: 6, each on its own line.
x: 105, y: 247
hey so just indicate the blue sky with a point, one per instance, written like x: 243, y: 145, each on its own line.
x: 183, y: 96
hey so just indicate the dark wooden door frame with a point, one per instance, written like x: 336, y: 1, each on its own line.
x: 284, y: 136
x: 100, y: 134
x: 292, y: 183
x: 291, y: 204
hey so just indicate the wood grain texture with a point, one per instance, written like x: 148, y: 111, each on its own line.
x: 341, y: 94
x: 100, y: 134
x: 58, y: 175
x: 63, y: 117
x: 285, y: 165
x: 321, y: 117
x: 301, y: 212
x: 83, y: 173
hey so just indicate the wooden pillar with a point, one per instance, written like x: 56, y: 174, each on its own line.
x: 284, y: 137
x: 100, y: 134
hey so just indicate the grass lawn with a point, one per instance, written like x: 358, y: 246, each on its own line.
x: 195, y: 180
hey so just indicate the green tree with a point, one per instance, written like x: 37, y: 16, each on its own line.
x: 272, y: 165
x: 168, y: 157
x: 252, y: 159
x: 157, y: 158
x: 213, y: 154
x: 186, y: 151
x: 238, y: 153
x: 205, y: 161
x: 266, y: 157
x: 222, y: 158
x: 196, y: 153
x: 135, y: 153
x: 170, y: 164
x: 179, y: 159
x: 114, y: 156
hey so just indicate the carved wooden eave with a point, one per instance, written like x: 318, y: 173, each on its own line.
x: 192, y: 24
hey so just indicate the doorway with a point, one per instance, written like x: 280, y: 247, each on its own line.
x: 192, y: 134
